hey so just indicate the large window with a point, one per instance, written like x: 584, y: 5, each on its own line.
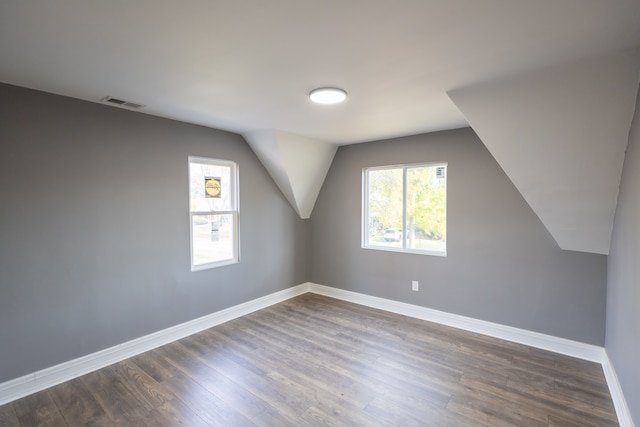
x: 213, y: 206
x: 405, y: 208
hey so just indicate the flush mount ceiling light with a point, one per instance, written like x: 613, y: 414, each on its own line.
x: 327, y: 95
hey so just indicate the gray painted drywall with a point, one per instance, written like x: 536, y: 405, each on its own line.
x: 94, y: 226
x: 623, y: 284
x: 502, y: 265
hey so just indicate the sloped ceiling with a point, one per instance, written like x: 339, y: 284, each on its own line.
x: 247, y: 66
x: 298, y: 165
x: 560, y: 134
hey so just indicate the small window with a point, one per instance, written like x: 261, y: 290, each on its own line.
x: 213, y: 207
x: 405, y: 208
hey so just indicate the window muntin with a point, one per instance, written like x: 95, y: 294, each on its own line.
x: 213, y: 209
x: 405, y: 208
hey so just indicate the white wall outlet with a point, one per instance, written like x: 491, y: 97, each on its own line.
x: 414, y: 285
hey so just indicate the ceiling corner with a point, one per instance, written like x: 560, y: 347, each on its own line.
x: 560, y: 134
x: 297, y: 164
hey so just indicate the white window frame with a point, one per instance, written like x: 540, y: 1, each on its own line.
x: 234, y: 212
x: 365, y: 244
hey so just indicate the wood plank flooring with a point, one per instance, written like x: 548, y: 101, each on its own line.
x: 317, y: 361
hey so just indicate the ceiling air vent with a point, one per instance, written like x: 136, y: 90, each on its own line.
x: 116, y: 101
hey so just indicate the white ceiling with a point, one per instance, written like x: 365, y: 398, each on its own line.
x: 247, y: 66
x: 560, y: 133
x: 297, y: 164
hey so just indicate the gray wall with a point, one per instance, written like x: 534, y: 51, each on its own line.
x: 94, y: 227
x: 94, y: 246
x: 502, y: 264
x: 623, y: 290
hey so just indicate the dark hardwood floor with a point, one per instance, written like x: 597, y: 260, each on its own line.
x: 317, y: 361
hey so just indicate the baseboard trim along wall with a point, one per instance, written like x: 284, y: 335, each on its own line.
x: 40, y: 380
x: 620, y: 403
x: 533, y: 339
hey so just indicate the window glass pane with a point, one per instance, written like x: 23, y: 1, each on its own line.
x: 384, y: 224
x: 211, y: 187
x: 426, y: 208
x: 212, y: 238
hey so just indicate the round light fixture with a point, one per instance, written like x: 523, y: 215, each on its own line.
x: 328, y: 95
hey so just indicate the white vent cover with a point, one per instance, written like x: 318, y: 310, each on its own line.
x: 116, y: 101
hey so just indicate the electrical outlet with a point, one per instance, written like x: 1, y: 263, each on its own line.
x: 414, y: 285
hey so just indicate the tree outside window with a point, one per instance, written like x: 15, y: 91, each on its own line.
x: 405, y: 208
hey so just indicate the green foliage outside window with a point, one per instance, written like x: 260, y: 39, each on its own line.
x: 414, y: 210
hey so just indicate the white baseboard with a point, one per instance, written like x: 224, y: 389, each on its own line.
x: 40, y: 380
x: 533, y: 339
x: 615, y: 389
